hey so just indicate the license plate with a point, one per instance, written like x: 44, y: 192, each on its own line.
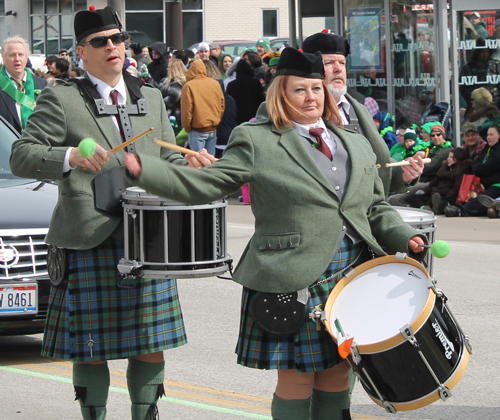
x: 19, y: 299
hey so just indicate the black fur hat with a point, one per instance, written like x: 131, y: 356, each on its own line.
x: 326, y: 44
x: 293, y: 62
x: 88, y: 22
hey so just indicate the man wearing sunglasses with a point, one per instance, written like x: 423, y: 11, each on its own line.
x: 129, y: 318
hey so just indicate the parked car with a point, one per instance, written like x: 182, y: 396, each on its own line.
x: 231, y: 47
x: 25, y: 210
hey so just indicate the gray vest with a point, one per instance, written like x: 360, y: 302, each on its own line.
x: 354, y: 122
x: 338, y: 172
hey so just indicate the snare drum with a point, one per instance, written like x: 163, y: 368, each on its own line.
x: 408, y: 349
x: 423, y: 221
x: 166, y: 239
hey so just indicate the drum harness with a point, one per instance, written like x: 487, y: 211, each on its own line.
x: 57, y: 264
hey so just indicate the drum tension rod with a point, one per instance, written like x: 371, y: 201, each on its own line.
x: 407, y: 332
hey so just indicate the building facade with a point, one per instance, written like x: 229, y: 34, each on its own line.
x: 407, y: 55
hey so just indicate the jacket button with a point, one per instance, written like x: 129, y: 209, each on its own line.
x: 289, y: 244
x: 337, y: 188
x: 50, y: 148
x: 38, y: 171
x: 278, y: 246
x: 268, y: 245
x: 44, y: 159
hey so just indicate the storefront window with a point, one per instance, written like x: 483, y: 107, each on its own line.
x: 411, y: 47
x: 413, y: 61
x: 479, y: 64
x: 366, y: 66
x: 52, y: 25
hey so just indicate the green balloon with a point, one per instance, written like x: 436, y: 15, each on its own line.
x: 87, y: 147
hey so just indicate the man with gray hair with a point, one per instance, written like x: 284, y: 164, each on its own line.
x: 19, y: 89
x: 334, y: 50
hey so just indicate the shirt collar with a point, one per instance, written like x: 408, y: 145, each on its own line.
x: 10, y: 75
x: 104, y: 89
x: 344, y: 103
x: 303, y: 129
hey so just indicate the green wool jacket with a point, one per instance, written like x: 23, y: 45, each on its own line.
x: 65, y: 115
x: 298, y: 215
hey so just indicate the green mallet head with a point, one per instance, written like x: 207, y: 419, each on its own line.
x: 440, y: 249
x: 87, y: 147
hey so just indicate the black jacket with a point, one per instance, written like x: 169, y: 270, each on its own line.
x: 8, y: 105
x: 488, y: 168
x: 246, y: 91
x: 158, y: 67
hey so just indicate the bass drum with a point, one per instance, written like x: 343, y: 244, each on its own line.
x: 408, y: 348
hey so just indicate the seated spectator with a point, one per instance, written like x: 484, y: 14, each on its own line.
x: 437, y: 150
x: 371, y: 105
x: 482, y: 112
x: 443, y: 190
x: 385, y: 126
x: 411, y: 142
x: 397, y: 150
x: 492, y: 204
x: 473, y: 143
x: 487, y: 168
x: 425, y: 131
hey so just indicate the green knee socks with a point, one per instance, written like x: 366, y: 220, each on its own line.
x: 145, y: 386
x: 330, y: 405
x: 290, y: 409
x: 91, y: 384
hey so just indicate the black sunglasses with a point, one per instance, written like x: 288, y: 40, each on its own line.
x: 102, y: 41
x: 436, y: 135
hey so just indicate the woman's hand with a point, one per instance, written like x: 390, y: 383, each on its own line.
x: 133, y: 164
x: 201, y: 160
x: 414, y: 169
x: 414, y: 242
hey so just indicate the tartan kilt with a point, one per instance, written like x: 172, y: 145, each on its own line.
x: 120, y: 322
x: 307, y: 350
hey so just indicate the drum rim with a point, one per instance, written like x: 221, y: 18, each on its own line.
x: 397, y: 339
x: 433, y: 396
x: 429, y: 216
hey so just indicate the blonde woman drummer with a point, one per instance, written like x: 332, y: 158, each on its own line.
x: 319, y: 205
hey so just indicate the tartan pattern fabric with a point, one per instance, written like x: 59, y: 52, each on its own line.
x: 307, y: 350
x: 121, y: 322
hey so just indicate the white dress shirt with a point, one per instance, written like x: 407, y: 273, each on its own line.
x: 327, y: 136
x: 344, y: 108
x: 104, y: 90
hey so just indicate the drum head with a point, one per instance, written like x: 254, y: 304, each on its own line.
x: 381, y: 297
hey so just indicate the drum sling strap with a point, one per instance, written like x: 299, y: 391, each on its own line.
x: 110, y: 185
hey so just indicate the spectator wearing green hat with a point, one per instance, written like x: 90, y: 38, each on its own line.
x: 263, y: 46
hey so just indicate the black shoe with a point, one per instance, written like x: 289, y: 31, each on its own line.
x: 452, y: 211
x: 492, y: 213
x: 489, y: 202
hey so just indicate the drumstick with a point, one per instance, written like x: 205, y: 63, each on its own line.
x: 175, y: 147
x: 123, y: 145
x: 402, y: 163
